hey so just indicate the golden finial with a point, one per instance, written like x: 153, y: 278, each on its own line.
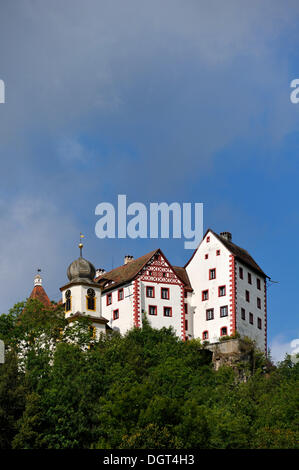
x: 81, y: 244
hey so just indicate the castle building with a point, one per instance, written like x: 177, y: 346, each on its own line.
x: 219, y: 292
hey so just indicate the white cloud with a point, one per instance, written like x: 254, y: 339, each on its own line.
x: 279, y: 347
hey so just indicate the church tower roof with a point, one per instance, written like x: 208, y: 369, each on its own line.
x: 39, y: 292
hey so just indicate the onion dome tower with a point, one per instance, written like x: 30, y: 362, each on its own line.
x: 82, y: 295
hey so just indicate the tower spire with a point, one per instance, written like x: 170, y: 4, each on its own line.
x: 81, y: 244
x: 37, y: 278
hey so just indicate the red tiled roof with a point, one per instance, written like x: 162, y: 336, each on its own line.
x: 236, y: 250
x: 240, y: 253
x: 39, y: 293
x: 183, y: 275
x: 127, y: 272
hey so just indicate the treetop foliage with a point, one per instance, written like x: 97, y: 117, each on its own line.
x: 61, y: 388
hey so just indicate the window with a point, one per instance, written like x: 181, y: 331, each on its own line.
x: 205, y: 335
x: 251, y: 318
x: 165, y: 293
x: 259, y: 323
x: 90, y: 300
x: 217, y: 252
x: 224, y: 311
x: 247, y: 296
x: 186, y: 324
x: 258, y: 283
x: 212, y: 273
x: 240, y: 273
x: 206, y: 256
x: 221, y: 291
x: 115, y: 314
x: 258, y: 303
x: 167, y: 312
x: 150, y: 273
x: 185, y: 294
x: 109, y: 299
x: 249, y: 278
x: 223, y: 331
x: 164, y: 274
x: 152, y: 310
x: 150, y: 291
x: 243, y: 313
x: 210, y: 314
x: 186, y: 308
x: 205, y: 295
x: 120, y: 294
x: 68, y: 301
x: 208, y: 239
x: 92, y: 330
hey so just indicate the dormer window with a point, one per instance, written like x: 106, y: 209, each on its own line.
x: 68, y: 301
x: 91, y: 299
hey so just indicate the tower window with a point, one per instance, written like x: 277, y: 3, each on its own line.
x: 251, y: 318
x: 249, y: 278
x: 91, y: 300
x: 258, y: 284
x: 68, y: 301
x: 247, y: 296
x: 120, y: 294
x: 258, y: 302
x: 109, y: 299
x: 217, y: 252
x: 240, y: 273
x: 259, y: 323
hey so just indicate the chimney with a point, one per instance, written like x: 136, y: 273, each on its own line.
x: 128, y: 258
x: 226, y: 235
x: 100, y: 271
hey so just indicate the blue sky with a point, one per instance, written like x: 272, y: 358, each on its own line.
x: 184, y: 101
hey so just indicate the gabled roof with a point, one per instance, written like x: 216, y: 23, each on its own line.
x: 237, y: 251
x: 129, y: 271
x: 39, y: 293
x: 126, y: 272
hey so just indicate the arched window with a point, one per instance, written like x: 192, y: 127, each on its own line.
x: 91, y: 299
x: 68, y: 301
x: 223, y: 331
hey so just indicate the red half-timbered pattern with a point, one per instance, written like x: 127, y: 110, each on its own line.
x: 158, y: 270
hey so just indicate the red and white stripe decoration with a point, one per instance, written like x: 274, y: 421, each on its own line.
x: 232, y: 293
x: 136, y: 304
